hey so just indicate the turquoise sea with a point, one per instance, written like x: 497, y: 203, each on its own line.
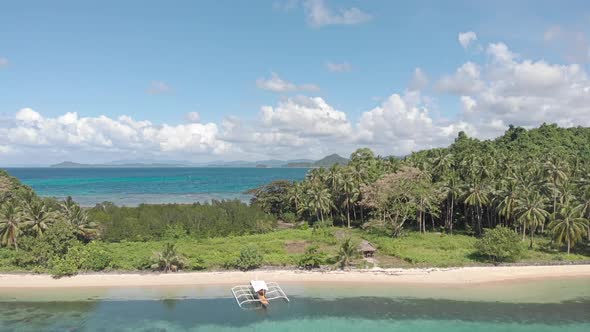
x: 556, y: 305
x: 133, y: 186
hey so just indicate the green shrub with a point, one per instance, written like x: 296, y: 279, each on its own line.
x: 39, y: 252
x: 95, y: 257
x: 196, y: 264
x: 500, y: 244
x: 62, y: 267
x: 312, y: 258
x: 289, y: 217
x: 250, y: 258
x: 175, y: 232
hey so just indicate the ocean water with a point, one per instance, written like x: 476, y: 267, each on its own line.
x: 187, y: 309
x: 133, y: 186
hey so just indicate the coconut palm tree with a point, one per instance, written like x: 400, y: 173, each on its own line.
x: 568, y: 226
x: 451, y: 188
x: 584, y: 207
x: 508, y: 199
x: 346, y: 253
x: 555, y: 172
x: 37, y: 217
x: 10, y: 224
x: 67, y: 205
x: 77, y: 217
x: 531, y: 211
x: 296, y: 195
x: 477, y: 198
x: 168, y: 259
x: 320, y: 201
x: 351, y: 194
x: 441, y: 163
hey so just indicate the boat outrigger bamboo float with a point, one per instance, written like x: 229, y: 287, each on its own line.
x: 258, y: 292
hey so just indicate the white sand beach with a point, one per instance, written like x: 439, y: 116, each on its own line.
x: 434, y: 276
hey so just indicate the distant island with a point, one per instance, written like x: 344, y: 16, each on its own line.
x: 328, y: 161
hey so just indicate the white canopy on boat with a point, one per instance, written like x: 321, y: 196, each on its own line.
x: 258, y: 285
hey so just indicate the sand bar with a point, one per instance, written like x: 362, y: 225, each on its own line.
x: 434, y: 276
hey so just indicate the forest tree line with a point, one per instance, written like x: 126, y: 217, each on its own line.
x: 531, y: 182
x: 536, y: 182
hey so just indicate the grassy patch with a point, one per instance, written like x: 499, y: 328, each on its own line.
x: 284, y: 248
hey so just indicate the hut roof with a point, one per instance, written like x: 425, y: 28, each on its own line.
x: 366, y: 246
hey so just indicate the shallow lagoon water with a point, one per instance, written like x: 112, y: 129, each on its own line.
x: 550, y: 305
x: 134, y: 186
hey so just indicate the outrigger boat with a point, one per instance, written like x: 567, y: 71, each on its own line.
x: 258, y: 292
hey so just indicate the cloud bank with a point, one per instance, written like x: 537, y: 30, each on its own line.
x: 503, y: 89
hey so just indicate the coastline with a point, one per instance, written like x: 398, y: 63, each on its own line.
x: 462, y: 276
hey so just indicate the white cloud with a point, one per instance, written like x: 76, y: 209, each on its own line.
x: 193, y: 117
x: 509, y: 90
x: 318, y: 14
x: 467, y: 38
x: 501, y: 53
x: 70, y: 131
x: 158, y: 87
x: 402, y: 124
x: 277, y: 84
x: 338, y: 67
x: 5, y: 149
x: 465, y: 80
x: 419, y: 80
x: 502, y: 89
x: 3, y: 62
x: 308, y: 116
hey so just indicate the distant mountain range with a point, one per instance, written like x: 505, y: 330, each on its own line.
x: 272, y: 163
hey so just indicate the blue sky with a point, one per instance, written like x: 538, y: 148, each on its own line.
x: 157, y: 61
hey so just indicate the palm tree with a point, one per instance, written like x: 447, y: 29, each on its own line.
x: 320, y: 201
x: 296, y: 195
x: 77, y: 217
x: 585, y: 207
x: 568, y: 226
x: 441, y: 163
x: 509, y: 200
x: 168, y: 260
x: 67, y: 205
x: 452, y: 189
x: 477, y: 197
x: 555, y: 172
x: 37, y: 217
x: 346, y: 253
x: 10, y: 223
x: 351, y: 194
x: 531, y: 211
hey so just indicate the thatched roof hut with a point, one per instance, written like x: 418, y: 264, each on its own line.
x: 367, y: 249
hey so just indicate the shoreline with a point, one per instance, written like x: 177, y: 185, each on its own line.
x: 459, y: 276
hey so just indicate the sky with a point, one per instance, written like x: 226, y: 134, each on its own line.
x: 96, y: 81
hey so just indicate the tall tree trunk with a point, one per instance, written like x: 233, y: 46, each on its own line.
x: 532, y: 236
x: 432, y: 221
x: 419, y: 222
x: 568, y: 246
x: 362, y: 216
x: 452, y: 211
x: 348, y: 213
x: 479, y: 217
